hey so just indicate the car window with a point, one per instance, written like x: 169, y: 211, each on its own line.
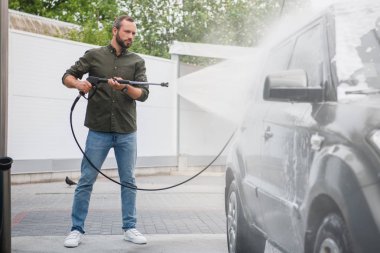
x: 279, y: 57
x: 369, y: 53
x: 357, y: 35
x: 308, y: 55
x: 277, y: 60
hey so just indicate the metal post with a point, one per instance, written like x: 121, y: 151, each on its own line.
x: 5, y: 162
x: 180, y: 163
x: 5, y: 205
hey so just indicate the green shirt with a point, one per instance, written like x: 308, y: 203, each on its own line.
x: 110, y: 110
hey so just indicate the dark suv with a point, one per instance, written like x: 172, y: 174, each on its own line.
x: 303, y: 174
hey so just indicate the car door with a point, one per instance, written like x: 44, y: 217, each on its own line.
x: 253, y: 139
x: 282, y: 172
x: 279, y: 174
x: 251, y: 151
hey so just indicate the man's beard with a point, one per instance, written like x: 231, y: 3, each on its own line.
x: 121, y: 43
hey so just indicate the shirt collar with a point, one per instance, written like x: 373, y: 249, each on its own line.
x: 113, y: 50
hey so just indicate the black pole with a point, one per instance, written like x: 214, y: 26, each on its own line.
x: 5, y: 162
x: 5, y: 205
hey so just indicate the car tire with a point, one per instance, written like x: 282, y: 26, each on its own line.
x: 332, y: 236
x: 240, y: 237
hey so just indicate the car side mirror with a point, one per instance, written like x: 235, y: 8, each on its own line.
x: 291, y: 86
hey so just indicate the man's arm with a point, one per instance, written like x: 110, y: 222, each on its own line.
x: 131, y: 91
x: 140, y: 75
x: 71, y: 81
x: 71, y: 78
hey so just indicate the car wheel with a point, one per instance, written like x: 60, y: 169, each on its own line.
x: 332, y: 236
x: 239, y: 235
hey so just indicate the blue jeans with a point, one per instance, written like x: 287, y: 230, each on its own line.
x: 98, y: 145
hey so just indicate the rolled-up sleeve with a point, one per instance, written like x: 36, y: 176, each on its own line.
x: 80, y: 67
x: 140, y: 75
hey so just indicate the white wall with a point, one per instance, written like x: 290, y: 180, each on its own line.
x: 39, y: 135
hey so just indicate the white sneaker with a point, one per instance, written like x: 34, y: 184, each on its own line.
x: 73, y: 239
x: 133, y: 235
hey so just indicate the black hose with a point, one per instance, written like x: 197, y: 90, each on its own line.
x: 132, y: 186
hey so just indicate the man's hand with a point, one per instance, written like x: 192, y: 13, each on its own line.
x: 115, y: 84
x: 72, y: 82
x: 131, y: 91
x: 83, y: 86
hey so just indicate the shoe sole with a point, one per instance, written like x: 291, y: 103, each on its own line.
x: 70, y: 246
x: 130, y: 240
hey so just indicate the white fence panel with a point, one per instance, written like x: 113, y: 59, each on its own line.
x: 39, y: 136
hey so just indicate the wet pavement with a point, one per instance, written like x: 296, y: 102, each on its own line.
x: 189, y: 218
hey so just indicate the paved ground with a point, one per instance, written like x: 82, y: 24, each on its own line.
x: 189, y: 218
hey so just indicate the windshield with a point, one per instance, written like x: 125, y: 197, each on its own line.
x: 357, y: 46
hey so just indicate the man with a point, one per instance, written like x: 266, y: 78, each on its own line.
x: 111, y: 119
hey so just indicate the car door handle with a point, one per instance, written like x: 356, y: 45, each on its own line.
x: 268, y: 134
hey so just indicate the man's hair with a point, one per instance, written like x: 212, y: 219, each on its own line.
x: 118, y: 20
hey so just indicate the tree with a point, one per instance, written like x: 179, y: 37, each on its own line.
x: 95, y: 17
x: 160, y: 22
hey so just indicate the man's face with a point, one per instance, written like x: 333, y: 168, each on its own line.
x: 126, y: 34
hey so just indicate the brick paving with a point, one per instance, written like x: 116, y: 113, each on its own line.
x: 107, y: 222
x: 196, y: 208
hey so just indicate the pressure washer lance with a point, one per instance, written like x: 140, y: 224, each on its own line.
x: 95, y: 81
